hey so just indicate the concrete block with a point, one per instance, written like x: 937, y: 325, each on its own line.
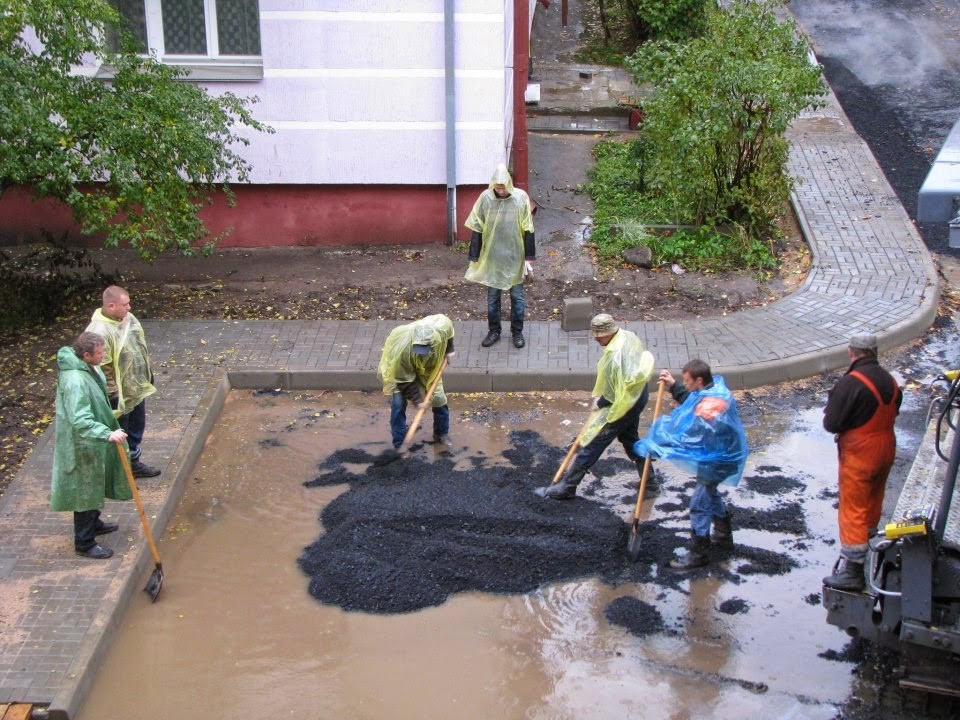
x: 576, y: 314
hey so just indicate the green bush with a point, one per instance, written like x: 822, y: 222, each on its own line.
x: 715, y: 123
x: 617, y: 190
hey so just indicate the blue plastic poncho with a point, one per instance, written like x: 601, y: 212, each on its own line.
x: 703, y: 436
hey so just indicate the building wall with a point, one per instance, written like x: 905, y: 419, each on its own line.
x: 356, y: 92
x: 356, y: 95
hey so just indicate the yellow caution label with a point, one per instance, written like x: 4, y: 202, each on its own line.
x: 902, y: 529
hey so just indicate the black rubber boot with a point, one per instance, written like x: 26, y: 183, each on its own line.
x: 722, y: 535
x: 566, y: 488
x: 698, y: 554
x: 847, y: 575
x: 653, y: 483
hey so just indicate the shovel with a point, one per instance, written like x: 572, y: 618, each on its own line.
x: 570, y: 453
x: 395, y: 454
x: 635, y: 544
x: 411, y: 431
x: 156, y: 578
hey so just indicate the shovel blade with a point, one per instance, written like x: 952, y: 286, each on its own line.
x: 154, y: 584
x: 390, y: 456
x: 634, y: 544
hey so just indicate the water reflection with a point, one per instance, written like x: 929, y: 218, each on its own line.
x: 236, y: 632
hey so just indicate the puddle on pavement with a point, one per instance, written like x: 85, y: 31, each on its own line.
x: 236, y: 632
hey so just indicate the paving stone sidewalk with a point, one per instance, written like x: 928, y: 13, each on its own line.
x: 58, y: 613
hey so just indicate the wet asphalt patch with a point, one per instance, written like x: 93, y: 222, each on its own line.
x: 409, y: 534
x: 637, y: 617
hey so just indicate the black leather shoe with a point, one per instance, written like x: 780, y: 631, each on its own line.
x: 143, y: 471
x: 518, y: 341
x: 97, y: 552
x: 491, y: 338
x: 104, y: 528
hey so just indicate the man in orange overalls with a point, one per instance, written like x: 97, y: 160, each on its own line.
x: 861, y: 411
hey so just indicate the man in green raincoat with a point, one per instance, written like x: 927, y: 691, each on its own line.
x: 411, y: 359
x: 502, y: 248
x: 126, y: 366
x: 86, y: 467
x: 620, y: 394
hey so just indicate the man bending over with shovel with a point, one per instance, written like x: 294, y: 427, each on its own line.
x: 704, y: 436
x: 619, y: 396
x: 413, y: 357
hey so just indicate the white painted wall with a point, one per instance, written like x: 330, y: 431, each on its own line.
x: 355, y: 91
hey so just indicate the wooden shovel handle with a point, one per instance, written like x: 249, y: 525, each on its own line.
x: 125, y: 461
x: 419, y: 416
x: 646, y: 462
x: 573, y: 449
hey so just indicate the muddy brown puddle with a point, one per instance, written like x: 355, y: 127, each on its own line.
x: 236, y: 631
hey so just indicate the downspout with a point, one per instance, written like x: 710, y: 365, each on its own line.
x: 521, y: 69
x: 450, y: 82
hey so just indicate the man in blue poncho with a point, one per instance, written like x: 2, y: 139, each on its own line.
x: 705, y: 436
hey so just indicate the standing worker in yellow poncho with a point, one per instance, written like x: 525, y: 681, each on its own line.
x: 127, y: 369
x: 502, y: 248
x: 619, y: 396
x: 412, y: 357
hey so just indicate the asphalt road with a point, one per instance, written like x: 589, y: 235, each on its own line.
x: 895, y: 67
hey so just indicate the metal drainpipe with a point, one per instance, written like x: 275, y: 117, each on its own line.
x: 450, y: 82
x: 521, y: 67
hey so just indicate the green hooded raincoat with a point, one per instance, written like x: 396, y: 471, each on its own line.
x: 86, y: 468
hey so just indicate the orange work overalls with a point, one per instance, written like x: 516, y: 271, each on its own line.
x: 866, y: 455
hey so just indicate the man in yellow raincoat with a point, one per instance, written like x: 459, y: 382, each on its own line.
x: 86, y: 467
x: 502, y: 248
x: 127, y: 369
x: 620, y: 394
x: 411, y: 359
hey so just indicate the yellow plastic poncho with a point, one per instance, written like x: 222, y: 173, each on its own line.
x: 502, y: 223
x: 399, y: 364
x: 623, y: 371
x: 126, y: 362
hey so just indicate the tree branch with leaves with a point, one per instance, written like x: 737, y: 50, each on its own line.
x: 135, y: 157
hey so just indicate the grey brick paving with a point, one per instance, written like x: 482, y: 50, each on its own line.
x: 870, y: 272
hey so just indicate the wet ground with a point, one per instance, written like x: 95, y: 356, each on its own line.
x: 307, y: 577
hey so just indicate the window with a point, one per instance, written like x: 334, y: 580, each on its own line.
x: 215, y: 39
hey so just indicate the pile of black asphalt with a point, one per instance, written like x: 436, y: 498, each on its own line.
x: 409, y: 533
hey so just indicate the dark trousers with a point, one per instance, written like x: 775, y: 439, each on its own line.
x: 398, y: 419
x: 518, y: 308
x: 625, y: 429
x: 85, y: 524
x: 133, y: 424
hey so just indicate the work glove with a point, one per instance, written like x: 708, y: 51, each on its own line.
x: 412, y: 392
x: 450, y: 355
x: 601, y: 402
